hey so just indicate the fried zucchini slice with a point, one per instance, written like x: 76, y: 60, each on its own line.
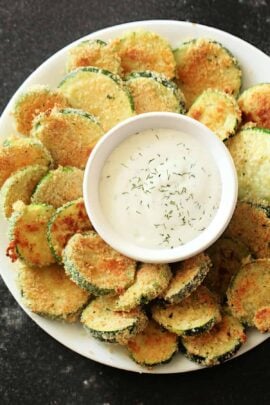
x: 100, y: 93
x: 65, y: 222
x: 202, y: 64
x: 154, y: 92
x: 95, y: 266
x: 20, y: 152
x: 255, y: 105
x: 153, y: 346
x: 105, y: 323
x: 188, y: 275
x: 69, y: 135
x: 48, y: 292
x: 144, y: 50
x: 150, y: 282
x: 250, y: 224
x: 94, y: 53
x: 20, y: 186
x: 226, y: 256
x: 59, y: 187
x: 28, y: 241
x: 250, y: 150
x: 249, y: 294
x: 217, y: 345
x: 217, y: 110
x: 195, y: 314
x: 35, y: 100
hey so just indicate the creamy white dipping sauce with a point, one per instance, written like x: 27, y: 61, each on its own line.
x: 160, y: 188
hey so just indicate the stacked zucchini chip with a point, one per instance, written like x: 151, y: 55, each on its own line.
x: 67, y: 272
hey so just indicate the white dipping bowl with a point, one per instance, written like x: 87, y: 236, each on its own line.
x: 142, y: 122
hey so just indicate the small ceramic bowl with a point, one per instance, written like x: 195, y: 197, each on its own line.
x: 119, y: 133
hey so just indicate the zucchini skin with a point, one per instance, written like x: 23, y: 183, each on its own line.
x: 72, y: 272
x: 214, y: 362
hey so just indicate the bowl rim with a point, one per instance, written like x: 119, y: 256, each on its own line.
x: 114, y: 137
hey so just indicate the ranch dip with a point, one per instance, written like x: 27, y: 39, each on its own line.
x: 160, y: 188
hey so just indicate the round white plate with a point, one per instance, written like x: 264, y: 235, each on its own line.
x: 256, y: 68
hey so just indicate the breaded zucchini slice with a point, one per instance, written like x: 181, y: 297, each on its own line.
x: 217, y: 110
x: 28, y: 240
x: 150, y: 282
x: 35, y: 100
x: 154, y: 92
x: 188, y: 275
x: 95, y: 266
x: 154, y: 345
x: 48, y: 292
x: 202, y: 64
x: 250, y: 224
x: 65, y: 222
x: 20, y: 186
x: 59, y: 187
x: 94, y: 53
x: 105, y: 323
x: 20, y: 152
x: 226, y: 256
x: 249, y: 294
x: 195, y: 314
x: 100, y: 93
x: 250, y: 150
x: 255, y: 105
x: 144, y: 50
x: 217, y: 345
x: 69, y: 134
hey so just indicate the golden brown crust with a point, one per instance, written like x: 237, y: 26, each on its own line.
x: 68, y: 135
x: 226, y: 255
x: 36, y: 100
x: 153, y: 345
x: 255, y: 105
x: 98, y: 263
x: 20, y: 153
x: 143, y: 50
x: 205, y: 64
x: 249, y: 294
x: 92, y: 53
x: 251, y: 225
x: 49, y: 292
x: 149, y: 95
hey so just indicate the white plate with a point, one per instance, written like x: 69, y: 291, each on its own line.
x: 256, y: 68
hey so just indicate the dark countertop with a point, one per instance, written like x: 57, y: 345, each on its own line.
x: 34, y: 368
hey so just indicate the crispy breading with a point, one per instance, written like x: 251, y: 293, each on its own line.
x: 94, y: 265
x: 250, y: 224
x: 20, y: 186
x: 217, y: 110
x: 250, y: 150
x: 35, y: 100
x: 153, y: 345
x: 69, y: 134
x: 144, y: 50
x: 249, y: 294
x: 94, y: 53
x: 18, y: 153
x: 187, y: 276
x: 105, y: 323
x: 66, y: 221
x: 59, y: 187
x: 217, y: 345
x: 255, y: 105
x: 48, y: 291
x: 203, y: 64
x: 152, y: 94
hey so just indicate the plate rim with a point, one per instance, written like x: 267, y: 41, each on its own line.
x: 15, y: 292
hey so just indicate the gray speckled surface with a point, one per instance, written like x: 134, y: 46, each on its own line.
x: 35, y: 369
